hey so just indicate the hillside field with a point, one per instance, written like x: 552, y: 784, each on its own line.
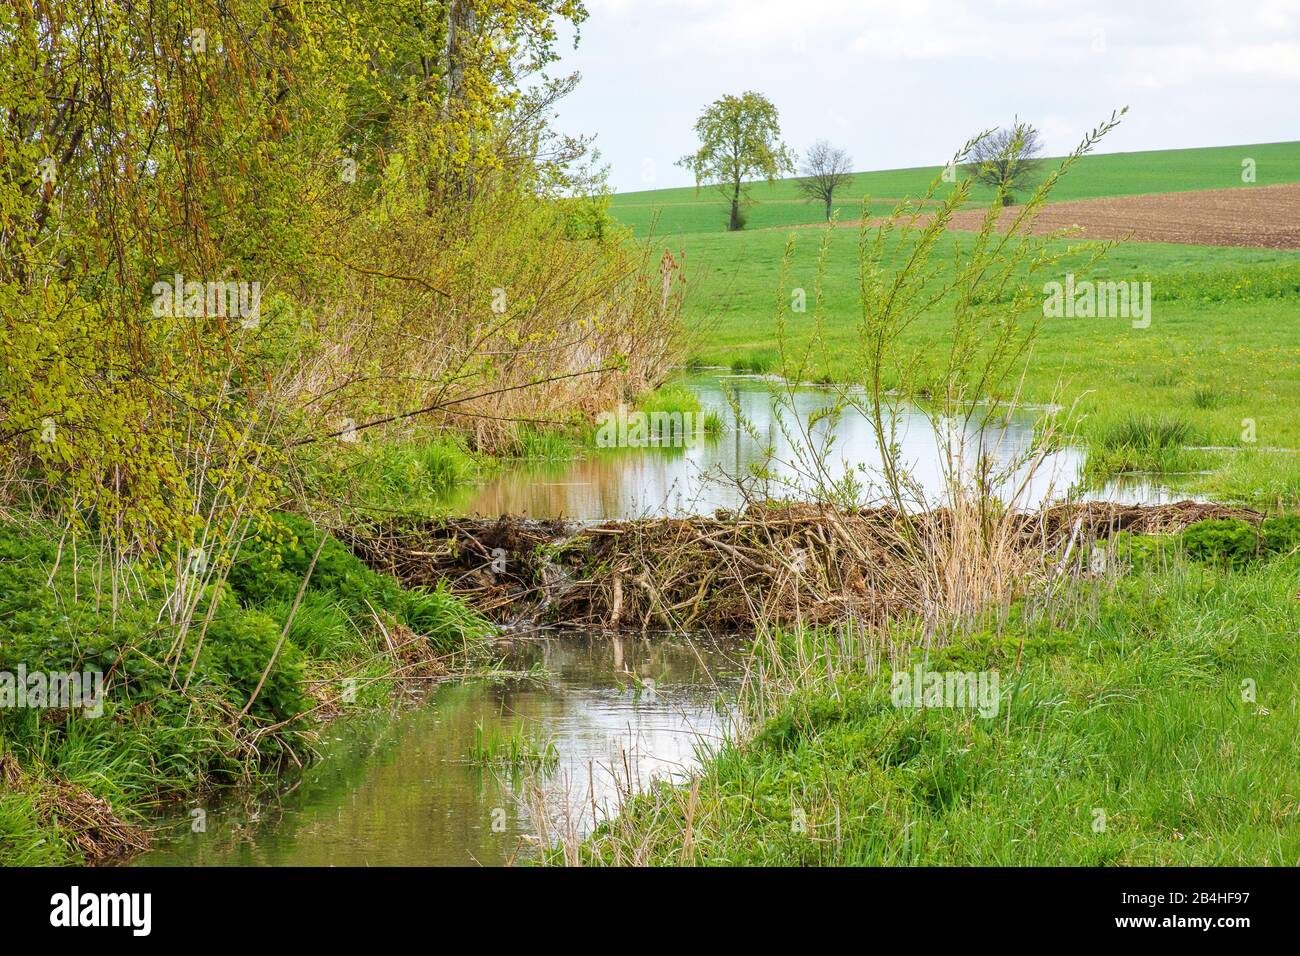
x: 688, y: 211
x: 1218, y: 366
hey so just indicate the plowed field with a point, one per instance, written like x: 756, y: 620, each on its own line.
x: 1265, y: 217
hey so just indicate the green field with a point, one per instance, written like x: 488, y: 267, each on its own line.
x: 1223, y: 346
x: 1220, y: 359
x: 686, y: 210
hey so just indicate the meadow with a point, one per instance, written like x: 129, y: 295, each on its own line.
x: 685, y: 211
x: 1132, y: 727
x: 1208, y: 392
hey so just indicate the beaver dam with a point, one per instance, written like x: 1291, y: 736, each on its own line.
x: 780, y: 564
x: 623, y: 686
x: 625, y: 584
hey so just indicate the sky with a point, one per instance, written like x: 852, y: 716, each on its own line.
x: 904, y: 82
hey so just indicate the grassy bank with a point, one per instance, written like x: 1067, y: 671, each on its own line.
x: 1220, y: 357
x: 687, y: 211
x: 78, y: 788
x: 185, y: 712
x: 1147, y: 720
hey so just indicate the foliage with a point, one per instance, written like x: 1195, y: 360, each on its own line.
x: 1281, y: 534
x: 1135, y: 552
x: 1231, y: 542
x: 273, y: 562
x: 740, y: 141
x: 1225, y: 541
x: 145, y: 148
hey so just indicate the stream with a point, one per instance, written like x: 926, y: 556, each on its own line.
x: 403, y: 787
x: 400, y: 788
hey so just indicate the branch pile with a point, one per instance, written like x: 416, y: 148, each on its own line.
x: 793, y: 563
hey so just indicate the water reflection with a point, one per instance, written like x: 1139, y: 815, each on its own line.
x: 402, y: 791
x: 696, y: 480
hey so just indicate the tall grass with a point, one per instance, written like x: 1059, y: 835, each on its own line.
x: 401, y: 474
x: 535, y: 444
x: 1129, y: 732
x: 756, y: 363
x: 1146, y: 432
x: 513, y: 749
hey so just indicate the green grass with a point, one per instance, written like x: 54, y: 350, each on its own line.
x: 673, y: 398
x: 513, y: 749
x: 687, y: 211
x: 1127, y: 736
x: 538, y: 444
x: 1222, y: 352
x: 414, y: 475
x: 755, y: 363
x: 1144, y: 431
x: 154, y: 741
x: 25, y: 840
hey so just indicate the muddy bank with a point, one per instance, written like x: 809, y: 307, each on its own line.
x: 723, y: 573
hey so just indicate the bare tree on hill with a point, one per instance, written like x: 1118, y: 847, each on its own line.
x: 825, y: 169
x: 1007, y: 159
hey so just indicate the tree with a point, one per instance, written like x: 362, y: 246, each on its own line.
x: 740, y: 140
x: 1007, y: 159
x: 826, y: 168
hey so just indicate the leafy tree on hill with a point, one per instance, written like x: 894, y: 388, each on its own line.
x: 825, y: 169
x: 740, y: 141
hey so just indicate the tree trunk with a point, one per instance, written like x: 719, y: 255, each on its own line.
x: 462, y: 23
x: 735, y: 208
x: 828, y: 207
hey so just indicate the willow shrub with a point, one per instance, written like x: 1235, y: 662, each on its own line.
x: 398, y: 246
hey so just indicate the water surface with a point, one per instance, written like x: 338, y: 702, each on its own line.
x: 700, y: 478
x: 401, y: 790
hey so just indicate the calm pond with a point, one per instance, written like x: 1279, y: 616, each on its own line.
x: 657, y: 481
x: 400, y: 788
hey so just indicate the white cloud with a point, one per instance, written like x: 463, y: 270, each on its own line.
x: 899, y: 83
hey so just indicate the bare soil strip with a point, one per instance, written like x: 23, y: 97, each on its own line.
x: 802, y: 563
x: 1261, y: 217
